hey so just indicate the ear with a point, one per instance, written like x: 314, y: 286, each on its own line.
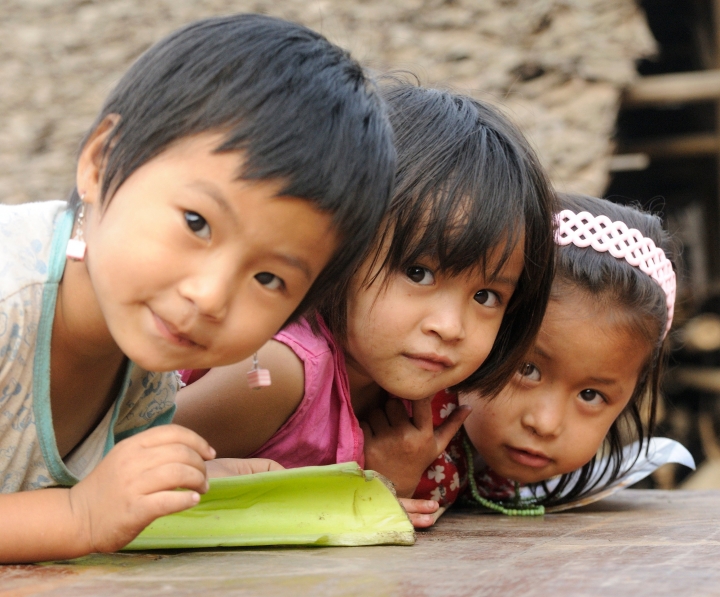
x: 91, y: 162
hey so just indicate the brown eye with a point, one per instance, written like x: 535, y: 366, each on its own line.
x: 420, y: 275
x: 270, y: 281
x: 197, y: 224
x: 591, y: 397
x: 529, y: 372
x: 487, y: 298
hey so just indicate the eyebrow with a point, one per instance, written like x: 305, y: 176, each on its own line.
x: 211, y: 191
x: 294, y: 262
x: 505, y: 280
x: 536, y: 349
x: 604, y: 381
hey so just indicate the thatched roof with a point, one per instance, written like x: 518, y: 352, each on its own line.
x: 558, y: 65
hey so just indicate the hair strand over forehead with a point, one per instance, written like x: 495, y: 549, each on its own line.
x: 298, y: 108
x: 467, y: 183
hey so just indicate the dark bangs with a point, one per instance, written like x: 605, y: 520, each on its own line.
x: 459, y: 190
x: 467, y: 182
x: 299, y: 108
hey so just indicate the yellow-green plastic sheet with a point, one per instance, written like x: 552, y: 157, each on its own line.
x: 336, y: 505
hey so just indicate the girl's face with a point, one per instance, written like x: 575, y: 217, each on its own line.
x: 554, y: 415
x: 419, y: 331
x: 191, y: 267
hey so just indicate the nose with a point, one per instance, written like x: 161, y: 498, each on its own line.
x: 209, y: 291
x: 445, y: 319
x: 545, y: 415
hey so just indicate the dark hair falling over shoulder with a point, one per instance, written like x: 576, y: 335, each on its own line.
x: 466, y: 182
x: 298, y: 107
x: 642, y: 306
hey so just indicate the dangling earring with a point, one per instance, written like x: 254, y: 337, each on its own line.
x: 258, y: 378
x: 76, y: 245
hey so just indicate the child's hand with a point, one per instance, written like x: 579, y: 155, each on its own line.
x: 230, y: 467
x: 422, y: 513
x: 136, y: 483
x: 401, y: 448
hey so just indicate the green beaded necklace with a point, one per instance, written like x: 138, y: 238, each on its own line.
x: 518, y: 507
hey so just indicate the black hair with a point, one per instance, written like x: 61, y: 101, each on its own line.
x: 298, y: 107
x: 642, y: 307
x: 467, y: 182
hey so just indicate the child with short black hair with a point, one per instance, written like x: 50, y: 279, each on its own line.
x: 238, y: 167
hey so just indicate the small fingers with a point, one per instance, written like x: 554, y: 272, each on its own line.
x: 377, y: 419
x: 162, y: 503
x: 422, y: 413
x: 263, y: 465
x: 173, y: 434
x: 172, y: 475
x: 367, y: 430
x: 445, y: 432
x: 275, y: 466
x: 421, y: 521
x: 229, y: 467
x: 396, y: 412
x: 415, y: 506
x: 157, y: 456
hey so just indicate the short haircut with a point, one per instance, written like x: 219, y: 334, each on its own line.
x: 467, y: 182
x: 642, y: 307
x: 298, y: 107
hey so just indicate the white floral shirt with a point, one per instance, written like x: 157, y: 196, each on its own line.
x: 33, y: 238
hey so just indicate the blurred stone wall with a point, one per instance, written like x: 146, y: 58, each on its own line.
x: 557, y: 66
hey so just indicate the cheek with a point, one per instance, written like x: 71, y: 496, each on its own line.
x: 478, y: 346
x: 374, y: 319
x: 123, y: 253
x: 253, y: 326
x: 482, y: 425
x: 582, y: 444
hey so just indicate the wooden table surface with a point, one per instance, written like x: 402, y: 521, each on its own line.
x: 635, y: 543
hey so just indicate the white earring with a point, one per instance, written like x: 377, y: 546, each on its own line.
x: 258, y: 378
x: 76, y: 246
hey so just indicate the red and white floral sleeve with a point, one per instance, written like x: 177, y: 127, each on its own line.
x: 446, y: 477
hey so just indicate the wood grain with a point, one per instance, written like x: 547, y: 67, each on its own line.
x: 635, y: 543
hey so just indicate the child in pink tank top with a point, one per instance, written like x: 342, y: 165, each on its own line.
x: 444, y: 298
x: 324, y: 419
x: 323, y: 429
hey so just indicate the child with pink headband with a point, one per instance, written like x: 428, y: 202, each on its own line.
x: 559, y: 428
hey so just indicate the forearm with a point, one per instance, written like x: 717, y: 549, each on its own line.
x: 40, y: 525
x: 235, y: 419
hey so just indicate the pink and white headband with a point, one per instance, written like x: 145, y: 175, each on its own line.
x: 602, y: 234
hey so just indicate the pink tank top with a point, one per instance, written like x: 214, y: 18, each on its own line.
x: 324, y: 428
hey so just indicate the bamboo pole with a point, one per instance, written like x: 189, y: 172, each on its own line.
x: 677, y: 146
x: 674, y: 88
x: 713, y: 212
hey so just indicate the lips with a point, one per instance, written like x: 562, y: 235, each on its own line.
x: 172, y: 334
x: 430, y: 361
x: 527, y: 457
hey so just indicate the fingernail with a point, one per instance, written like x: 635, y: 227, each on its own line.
x: 195, y: 497
x: 213, y: 453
